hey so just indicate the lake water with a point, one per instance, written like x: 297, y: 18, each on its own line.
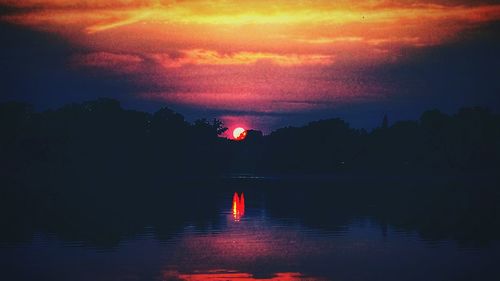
x: 256, y: 231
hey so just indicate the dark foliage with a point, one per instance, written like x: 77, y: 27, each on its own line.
x: 468, y: 141
x: 100, y: 140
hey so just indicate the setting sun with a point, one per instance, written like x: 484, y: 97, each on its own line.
x: 239, y: 133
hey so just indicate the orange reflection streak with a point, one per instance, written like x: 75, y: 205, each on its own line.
x: 242, y: 205
x: 238, y: 206
x: 236, y: 202
x: 219, y: 275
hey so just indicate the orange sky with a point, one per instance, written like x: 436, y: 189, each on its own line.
x: 259, y: 56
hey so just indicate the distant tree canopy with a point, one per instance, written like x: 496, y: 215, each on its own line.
x: 100, y: 139
x: 466, y: 141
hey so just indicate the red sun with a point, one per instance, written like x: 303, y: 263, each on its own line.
x: 239, y: 133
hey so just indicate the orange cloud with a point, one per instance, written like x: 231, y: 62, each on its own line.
x: 208, y: 57
x: 255, y: 55
x: 252, y: 26
x: 105, y: 15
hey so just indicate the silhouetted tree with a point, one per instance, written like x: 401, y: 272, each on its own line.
x: 385, y: 122
x: 215, y: 128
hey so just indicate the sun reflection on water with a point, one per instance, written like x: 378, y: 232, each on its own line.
x: 229, y: 275
x: 238, y: 206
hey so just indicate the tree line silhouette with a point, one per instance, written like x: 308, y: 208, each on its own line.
x: 99, y: 139
x: 437, y: 143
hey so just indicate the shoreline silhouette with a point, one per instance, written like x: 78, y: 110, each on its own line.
x: 100, y: 139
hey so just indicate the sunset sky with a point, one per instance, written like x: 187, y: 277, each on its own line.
x: 256, y: 64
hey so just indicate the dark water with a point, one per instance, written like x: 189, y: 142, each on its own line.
x: 281, y: 230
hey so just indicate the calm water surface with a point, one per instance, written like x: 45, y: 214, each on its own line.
x: 252, y: 234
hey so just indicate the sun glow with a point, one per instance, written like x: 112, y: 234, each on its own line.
x: 239, y: 133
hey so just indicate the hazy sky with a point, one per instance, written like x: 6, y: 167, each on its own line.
x: 257, y: 64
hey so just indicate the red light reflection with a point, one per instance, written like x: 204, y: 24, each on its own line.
x: 238, y: 206
x: 228, y: 275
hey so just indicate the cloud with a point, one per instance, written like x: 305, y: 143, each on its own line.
x: 210, y: 57
x: 301, y: 57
